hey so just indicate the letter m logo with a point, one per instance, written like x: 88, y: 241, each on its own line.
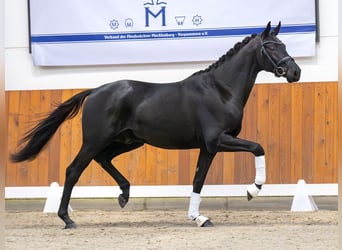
x: 149, y: 13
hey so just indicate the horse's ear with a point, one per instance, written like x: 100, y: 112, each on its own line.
x: 276, y: 29
x: 266, y: 32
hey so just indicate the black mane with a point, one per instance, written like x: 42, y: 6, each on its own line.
x: 228, y: 55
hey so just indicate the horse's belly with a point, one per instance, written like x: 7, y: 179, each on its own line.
x: 171, y: 140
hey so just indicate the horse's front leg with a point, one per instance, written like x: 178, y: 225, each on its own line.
x: 203, y: 164
x: 228, y: 143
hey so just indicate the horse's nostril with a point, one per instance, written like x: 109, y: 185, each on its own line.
x: 297, y: 73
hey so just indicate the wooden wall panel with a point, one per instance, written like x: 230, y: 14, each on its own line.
x: 52, y: 98
x: 295, y: 123
x: 308, y: 132
x: 296, y: 132
x: 284, y: 143
x: 13, y: 133
x: 331, y: 132
x: 273, y: 144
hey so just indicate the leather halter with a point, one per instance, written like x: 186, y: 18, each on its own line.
x: 278, y: 70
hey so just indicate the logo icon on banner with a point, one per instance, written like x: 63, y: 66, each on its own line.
x: 114, y: 24
x: 180, y: 20
x: 129, y: 23
x: 197, y: 20
x: 155, y: 13
x: 152, y: 3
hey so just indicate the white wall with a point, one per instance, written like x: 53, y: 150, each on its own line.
x: 22, y: 75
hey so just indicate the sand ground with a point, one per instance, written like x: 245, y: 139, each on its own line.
x: 162, y: 224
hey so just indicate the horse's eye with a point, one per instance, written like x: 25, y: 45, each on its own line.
x: 271, y: 47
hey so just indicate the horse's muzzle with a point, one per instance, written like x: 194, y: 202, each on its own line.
x: 293, y: 72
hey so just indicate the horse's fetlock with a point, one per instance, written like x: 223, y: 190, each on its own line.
x: 126, y: 186
x: 61, y: 215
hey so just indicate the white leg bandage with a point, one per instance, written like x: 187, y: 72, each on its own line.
x: 195, y: 200
x: 260, y: 170
x: 260, y: 177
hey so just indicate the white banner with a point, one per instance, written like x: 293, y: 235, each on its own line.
x: 89, y: 32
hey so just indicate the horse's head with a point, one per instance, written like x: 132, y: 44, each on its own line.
x: 274, y: 57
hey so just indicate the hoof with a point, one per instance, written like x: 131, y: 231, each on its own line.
x: 122, y: 201
x: 252, y: 191
x: 249, y: 196
x: 70, y: 226
x: 208, y: 223
x: 203, y: 221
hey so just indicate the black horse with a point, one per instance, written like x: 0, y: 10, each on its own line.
x: 202, y: 111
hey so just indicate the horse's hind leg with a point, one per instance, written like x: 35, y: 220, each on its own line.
x: 104, y: 159
x: 120, y: 179
x: 73, y: 173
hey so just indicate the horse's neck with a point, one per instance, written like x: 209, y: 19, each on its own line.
x: 238, y: 75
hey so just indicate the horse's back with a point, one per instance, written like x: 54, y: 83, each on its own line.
x: 157, y: 114
x: 171, y: 115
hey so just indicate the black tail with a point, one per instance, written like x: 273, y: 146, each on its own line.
x: 39, y: 136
